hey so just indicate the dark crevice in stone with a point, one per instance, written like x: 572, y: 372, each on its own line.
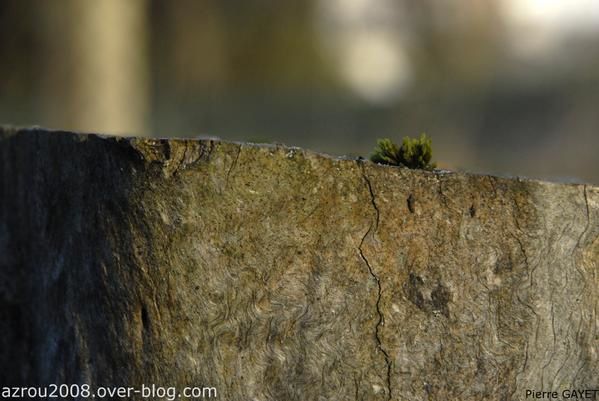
x: 371, y: 231
x: 233, y: 165
x: 145, y: 319
x: 411, y: 202
x: 412, y: 288
x: 440, y: 298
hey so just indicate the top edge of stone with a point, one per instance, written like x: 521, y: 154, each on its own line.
x: 139, y: 142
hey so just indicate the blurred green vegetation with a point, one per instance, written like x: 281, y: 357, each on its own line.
x: 278, y: 71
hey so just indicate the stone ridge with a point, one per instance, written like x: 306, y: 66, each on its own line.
x: 165, y: 149
x: 275, y: 273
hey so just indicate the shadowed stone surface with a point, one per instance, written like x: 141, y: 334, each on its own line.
x: 274, y: 273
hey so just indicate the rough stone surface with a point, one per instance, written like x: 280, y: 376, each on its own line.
x: 274, y: 273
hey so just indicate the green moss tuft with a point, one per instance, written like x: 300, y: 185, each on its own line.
x: 413, y: 153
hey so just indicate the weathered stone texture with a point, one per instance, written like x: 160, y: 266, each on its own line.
x: 274, y: 273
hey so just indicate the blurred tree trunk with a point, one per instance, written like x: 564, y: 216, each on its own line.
x: 99, y: 53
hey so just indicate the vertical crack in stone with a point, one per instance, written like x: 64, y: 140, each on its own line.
x: 233, y: 165
x: 553, y: 353
x: 206, y: 148
x: 578, y: 269
x: 586, y: 203
x: 588, y: 213
x: 525, y: 256
x: 567, y: 356
x: 516, y: 213
x: 582, y: 234
x: 371, y: 230
x: 577, y: 341
x: 373, y: 202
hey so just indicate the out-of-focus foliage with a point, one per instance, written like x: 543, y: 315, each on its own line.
x: 499, y: 93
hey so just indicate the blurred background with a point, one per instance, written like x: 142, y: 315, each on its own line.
x: 509, y: 87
